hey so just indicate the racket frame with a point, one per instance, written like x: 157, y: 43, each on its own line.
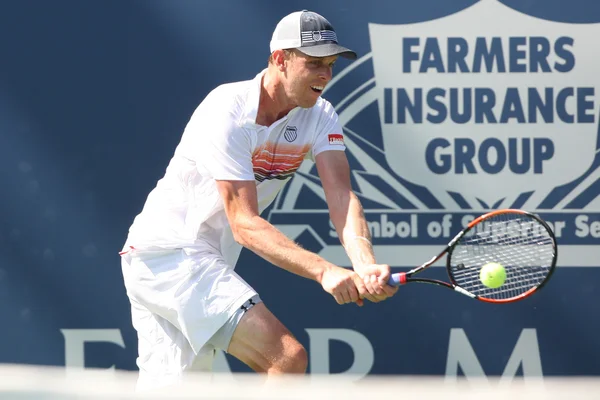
x: 407, y: 277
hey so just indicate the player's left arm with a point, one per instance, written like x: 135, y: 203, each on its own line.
x: 346, y: 213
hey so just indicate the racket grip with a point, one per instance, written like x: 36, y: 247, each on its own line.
x: 397, y: 279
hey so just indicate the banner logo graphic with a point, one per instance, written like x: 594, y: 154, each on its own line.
x: 483, y: 109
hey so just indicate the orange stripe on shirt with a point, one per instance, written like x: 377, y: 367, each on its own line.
x: 275, y: 161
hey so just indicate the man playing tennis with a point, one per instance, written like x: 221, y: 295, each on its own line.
x: 241, y: 145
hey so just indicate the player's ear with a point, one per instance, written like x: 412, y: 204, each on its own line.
x: 279, y: 57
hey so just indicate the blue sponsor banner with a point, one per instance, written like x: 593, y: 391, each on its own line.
x: 452, y: 109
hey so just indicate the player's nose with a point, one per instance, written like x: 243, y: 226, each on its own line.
x: 325, y: 74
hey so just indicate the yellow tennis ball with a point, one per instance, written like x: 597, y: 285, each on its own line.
x: 492, y: 275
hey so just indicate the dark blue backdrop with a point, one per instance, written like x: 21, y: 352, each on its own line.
x: 94, y: 96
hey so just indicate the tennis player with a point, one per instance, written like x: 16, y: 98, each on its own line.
x: 241, y: 145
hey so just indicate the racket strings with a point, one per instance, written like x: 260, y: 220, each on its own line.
x: 518, y: 242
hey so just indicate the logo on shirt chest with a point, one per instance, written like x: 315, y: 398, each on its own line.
x: 291, y: 133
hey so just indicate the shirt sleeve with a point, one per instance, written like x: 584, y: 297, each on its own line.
x: 223, y: 150
x: 329, y: 135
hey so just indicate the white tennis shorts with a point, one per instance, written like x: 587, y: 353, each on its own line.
x: 180, y: 299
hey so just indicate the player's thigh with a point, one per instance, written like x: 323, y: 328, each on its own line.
x: 262, y: 342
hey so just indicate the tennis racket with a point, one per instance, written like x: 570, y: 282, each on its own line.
x: 520, y: 241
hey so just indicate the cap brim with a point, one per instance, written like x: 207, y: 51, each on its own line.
x: 327, y: 50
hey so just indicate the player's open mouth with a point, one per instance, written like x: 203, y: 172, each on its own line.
x: 317, y: 89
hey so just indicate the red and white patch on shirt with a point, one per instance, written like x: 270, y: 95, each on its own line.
x: 336, y: 138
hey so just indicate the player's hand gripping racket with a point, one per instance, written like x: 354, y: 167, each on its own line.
x: 500, y: 257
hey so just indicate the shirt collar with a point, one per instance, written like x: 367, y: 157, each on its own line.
x: 248, y: 119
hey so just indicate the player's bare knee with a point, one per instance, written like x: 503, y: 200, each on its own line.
x: 300, y: 360
x: 294, y: 360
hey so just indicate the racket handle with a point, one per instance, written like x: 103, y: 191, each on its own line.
x: 397, y: 279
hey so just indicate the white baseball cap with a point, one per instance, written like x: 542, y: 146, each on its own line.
x: 309, y: 33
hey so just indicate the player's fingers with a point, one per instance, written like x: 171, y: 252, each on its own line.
x: 386, y: 292
x: 365, y: 289
x: 384, y: 276
x: 370, y: 282
x: 353, y: 293
x: 345, y: 296
x: 372, y: 298
x: 359, y: 282
x: 338, y: 297
x: 382, y: 293
x: 361, y: 287
x: 360, y: 302
x: 390, y: 290
x: 378, y: 289
x: 380, y: 297
x: 368, y: 285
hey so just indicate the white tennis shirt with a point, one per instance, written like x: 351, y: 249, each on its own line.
x: 223, y: 142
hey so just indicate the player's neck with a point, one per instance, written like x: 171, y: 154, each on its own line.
x: 273, y: 104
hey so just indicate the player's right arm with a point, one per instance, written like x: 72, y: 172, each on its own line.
x: 217, y: 140
x: 258, y: 235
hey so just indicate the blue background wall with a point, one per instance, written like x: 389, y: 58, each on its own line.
x: 94, y: 96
